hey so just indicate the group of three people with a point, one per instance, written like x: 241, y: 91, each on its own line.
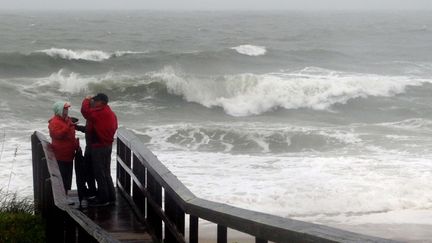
x: 101, y: 125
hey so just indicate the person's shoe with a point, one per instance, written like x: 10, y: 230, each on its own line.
x: 83, y: 204
x: 97, y: 203
x: 70, y: 201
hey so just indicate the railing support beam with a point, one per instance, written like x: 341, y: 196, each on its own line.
x: 222, y: 236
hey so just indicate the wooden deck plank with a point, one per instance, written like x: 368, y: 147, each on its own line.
x: 118, y: 220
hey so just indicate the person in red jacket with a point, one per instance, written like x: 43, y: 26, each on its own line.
x: 101, y: 127
x: 64, y: 143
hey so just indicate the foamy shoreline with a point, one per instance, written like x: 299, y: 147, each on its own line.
x: 398, y: 232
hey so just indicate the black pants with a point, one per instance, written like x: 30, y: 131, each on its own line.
x: 66, y: 168
x: 84, y: 174
x: 89, y: 175
x: 101, y: 161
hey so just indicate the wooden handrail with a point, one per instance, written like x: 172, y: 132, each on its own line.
x: 264, y: 227
x: 64, y: 223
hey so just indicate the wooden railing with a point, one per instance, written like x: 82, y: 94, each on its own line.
x: 63, y: 223
x: 162, y: 202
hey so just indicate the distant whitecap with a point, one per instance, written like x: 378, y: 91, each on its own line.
x: 89, y: 55
x: 250, y: 50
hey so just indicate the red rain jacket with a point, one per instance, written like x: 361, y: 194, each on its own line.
x: 101, y: 124
x: 64, y: 143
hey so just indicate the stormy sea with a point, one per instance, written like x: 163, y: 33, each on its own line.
x: 324, y: 117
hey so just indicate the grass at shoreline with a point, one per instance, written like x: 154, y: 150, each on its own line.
x: 17, y: 220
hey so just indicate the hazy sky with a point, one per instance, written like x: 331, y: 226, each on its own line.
x: 217, y: 4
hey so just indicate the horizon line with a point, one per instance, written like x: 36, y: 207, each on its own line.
x: 220, y: 10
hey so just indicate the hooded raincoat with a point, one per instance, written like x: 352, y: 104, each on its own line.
x: 101, y: 124
x: 62, y: 132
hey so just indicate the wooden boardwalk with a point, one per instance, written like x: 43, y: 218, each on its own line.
x: 118, y: 220
x: 149, y: 195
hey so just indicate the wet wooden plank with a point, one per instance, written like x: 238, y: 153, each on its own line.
x: 117, y: 220
x: 131, y: 237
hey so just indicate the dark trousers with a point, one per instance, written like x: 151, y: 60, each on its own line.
x: 66, y: 173
x: 101, y: 161
x: 89, y: 175
x: 84, y: 174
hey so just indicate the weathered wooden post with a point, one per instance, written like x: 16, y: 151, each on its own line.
x: 177, y: 217
x: 193, y: 229
x: 40, y: 172
x: 222, y: 235
x: 138, y: 188
x: 155, y: 201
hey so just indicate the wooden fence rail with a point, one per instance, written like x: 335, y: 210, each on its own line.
x: 63, y: 223
x: 163, y: 202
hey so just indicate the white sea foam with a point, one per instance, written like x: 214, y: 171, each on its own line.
x: 15, y: 152
x: 250, y: 50
x: 14, y: 169
x: 316, y: 188
x: 411, y: 124
x: 122, y: 53
x: 244, y: 138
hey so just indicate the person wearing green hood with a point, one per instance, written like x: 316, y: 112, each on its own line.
x: 64, y: 143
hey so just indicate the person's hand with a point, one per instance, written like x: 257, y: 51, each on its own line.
x: 80, y: 128
x: 74, y: 120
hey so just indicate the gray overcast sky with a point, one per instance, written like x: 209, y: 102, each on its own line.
x: 217, y: 4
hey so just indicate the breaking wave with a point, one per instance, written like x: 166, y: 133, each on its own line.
x: 252, y: 94
x: 241, y: 94
x: 250, y: 50
x: 88, y: 55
